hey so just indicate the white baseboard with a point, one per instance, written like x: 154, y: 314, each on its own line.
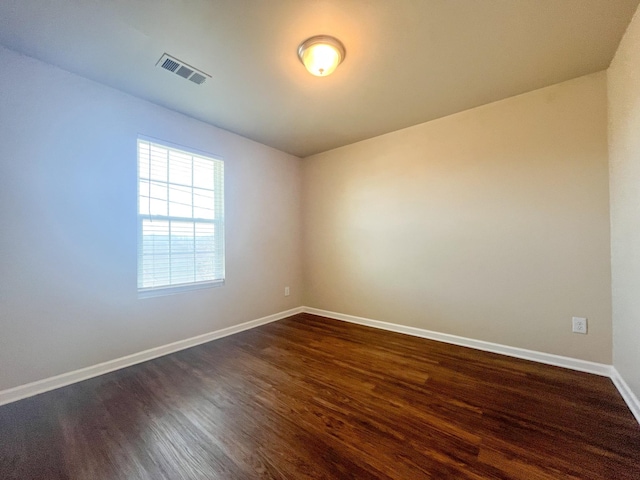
x: 547, y: 358
x: 540, y: 357
x: 629, y: 397
x: 41, y: 386
x: 51, y: 383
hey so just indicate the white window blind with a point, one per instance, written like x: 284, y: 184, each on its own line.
x: 180, y: 219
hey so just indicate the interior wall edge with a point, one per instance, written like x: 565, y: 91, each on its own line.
x: 41, y: 386
x: 627, y: 394
x: 586, y: 366
x: 601, y: 369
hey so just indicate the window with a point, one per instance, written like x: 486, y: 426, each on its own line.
x: 180, y: 219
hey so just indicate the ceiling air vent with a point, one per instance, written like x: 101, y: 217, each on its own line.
x: 180, y: 68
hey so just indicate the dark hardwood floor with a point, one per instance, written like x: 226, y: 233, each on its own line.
x: 313, y: 398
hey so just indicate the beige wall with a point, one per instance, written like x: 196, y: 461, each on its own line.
x: 68, y: 225
x: 624, y: 158
x: 491, y: 224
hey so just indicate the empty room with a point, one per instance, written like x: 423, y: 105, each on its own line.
x: 319, y: 239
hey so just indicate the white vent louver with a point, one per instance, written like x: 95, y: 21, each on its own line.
x: 180, y: 68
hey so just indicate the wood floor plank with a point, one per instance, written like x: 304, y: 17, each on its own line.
x: 314, y: 398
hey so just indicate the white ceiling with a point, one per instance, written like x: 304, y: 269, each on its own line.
x: 408, y: 61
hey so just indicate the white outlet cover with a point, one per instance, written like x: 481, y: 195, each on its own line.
x: 579, y: 325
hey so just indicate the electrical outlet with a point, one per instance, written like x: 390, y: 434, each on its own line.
x: 579, y: 325
x: 286, y: 291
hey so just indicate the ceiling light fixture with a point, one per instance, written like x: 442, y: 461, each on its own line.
x: 321, y: 54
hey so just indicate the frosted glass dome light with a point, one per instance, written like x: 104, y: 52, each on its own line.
x: 321, y: 54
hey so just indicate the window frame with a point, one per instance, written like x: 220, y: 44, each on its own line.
x: 218, y: 221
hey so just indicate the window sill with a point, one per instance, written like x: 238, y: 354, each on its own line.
x: 176, y: 289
